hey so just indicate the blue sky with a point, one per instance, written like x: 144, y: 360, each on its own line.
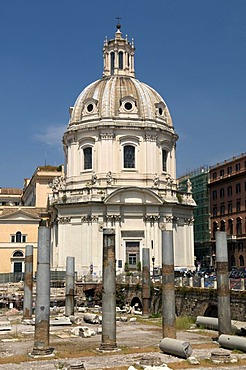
x: 193, y: 52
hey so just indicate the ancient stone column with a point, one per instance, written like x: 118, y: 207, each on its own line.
x: 28, y: 283
x: 42, y: 306
x: 146, y: 281
x: 108, y: 292
x: 70, y: 267
x: 223, y: 288
x: 168, y: 292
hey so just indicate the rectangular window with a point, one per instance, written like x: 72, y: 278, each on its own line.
x: 238, y: 205
x: 229, y: 191
x: 214, y: 175
x: 87, y: 158
x: 214, y: 194
x: 229, y: 170
x: 132, y: 254
x: 221, y: 173
x: 238, y: 188
x: 112, y: 57
x: 240, y: 246
x: 17, y: 266
x: 132, y: 260
x: 120, y: 60
x: 222, y: 209
x: 222, y: 192
x: 230, y: 207
x: 129, y: 156
x: 237, y: 166
x: 215, y: 211
x: 164, y: 160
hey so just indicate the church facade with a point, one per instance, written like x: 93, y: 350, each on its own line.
x: 120, y: 173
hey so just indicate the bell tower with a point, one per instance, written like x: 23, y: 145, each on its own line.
x: 118, y: 56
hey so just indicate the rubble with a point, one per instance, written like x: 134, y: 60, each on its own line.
x: 83, y: 331
x: 60, y: 320
x: 92, y: 318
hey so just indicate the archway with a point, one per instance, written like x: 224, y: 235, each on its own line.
x: 211, y: 311
x: 136, y: 302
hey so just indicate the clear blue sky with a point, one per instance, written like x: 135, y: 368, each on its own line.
x: 193, y: 52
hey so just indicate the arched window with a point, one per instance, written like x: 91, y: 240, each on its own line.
x: 18, y: 254
x: 222, y: 225
x: 241, y: 260
x: 129, y: 156
x: 239, y: 226
x: 18, y: 237
x: 112, y: 57
x: 215, y: 228
x: 87, y: 158
x: 121, y: 60
x: 164, y: 160
x: 230, y: 226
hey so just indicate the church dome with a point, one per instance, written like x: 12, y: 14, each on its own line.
x: 120, y: 130
x: 119, y: 95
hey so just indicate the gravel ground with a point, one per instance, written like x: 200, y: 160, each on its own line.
x: 142, y: 338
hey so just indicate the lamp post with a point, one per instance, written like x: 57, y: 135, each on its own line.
x: 153, y: 262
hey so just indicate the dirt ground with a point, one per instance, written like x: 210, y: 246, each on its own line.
x: 137, y: 342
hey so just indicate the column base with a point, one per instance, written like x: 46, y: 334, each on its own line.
x: 42, y: 352
x: 108, y: 347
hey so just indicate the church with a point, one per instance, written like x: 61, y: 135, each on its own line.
x: 120, y: 173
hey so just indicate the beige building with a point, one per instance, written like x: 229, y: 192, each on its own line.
x: 120, y: 172
x: 20, y: 214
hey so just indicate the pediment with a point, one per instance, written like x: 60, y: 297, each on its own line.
x: 133, y: 195
x: 18, y: 215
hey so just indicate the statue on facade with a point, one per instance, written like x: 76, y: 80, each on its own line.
x: 109, y: 178
x: 59, y: 183
x: 93, y: 178
x: 156, y: 180
x: 189, y: 186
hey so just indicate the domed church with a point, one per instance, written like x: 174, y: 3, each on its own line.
x: 120, y: 173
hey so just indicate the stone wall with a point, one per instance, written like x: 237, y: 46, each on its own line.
x: 203, y: 302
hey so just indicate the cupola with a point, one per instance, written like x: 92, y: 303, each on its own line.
x: 118, y: 56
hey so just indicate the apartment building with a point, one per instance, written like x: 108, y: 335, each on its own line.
x: 227, y: 184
